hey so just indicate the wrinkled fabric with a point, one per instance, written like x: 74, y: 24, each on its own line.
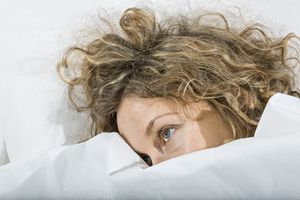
x: 3, y: 153
x: 105, y: 167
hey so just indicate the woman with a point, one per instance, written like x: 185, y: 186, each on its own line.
x: 178, y: 86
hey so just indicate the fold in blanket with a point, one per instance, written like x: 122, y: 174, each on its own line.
x: 105, y: 167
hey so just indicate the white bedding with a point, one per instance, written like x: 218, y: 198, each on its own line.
x: 105, y: 167
x: 35, y: 120
x: 3, y: 153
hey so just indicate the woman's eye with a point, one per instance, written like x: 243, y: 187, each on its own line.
x: 167, y: 134
x: 146, y: 158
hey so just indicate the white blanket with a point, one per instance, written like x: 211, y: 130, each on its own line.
x: 105, y: 167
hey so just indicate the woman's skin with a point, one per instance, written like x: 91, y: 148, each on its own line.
x: 160, y: 129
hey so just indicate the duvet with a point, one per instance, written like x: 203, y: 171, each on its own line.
x: 265, y: 166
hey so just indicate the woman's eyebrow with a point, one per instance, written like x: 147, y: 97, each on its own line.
x: 151, y: 123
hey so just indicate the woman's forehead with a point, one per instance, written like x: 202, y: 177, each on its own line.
x: 141, y: 111
x: 138, y: 104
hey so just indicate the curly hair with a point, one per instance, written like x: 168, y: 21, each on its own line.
x: 185, y: 60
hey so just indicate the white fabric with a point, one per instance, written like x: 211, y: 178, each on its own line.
x: 3, y: 153
x: 105, y: 167
x: 282, y: 114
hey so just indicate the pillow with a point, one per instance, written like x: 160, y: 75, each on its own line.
x: 105, y: 167
x: 34, y: 113
x: 28, y: 126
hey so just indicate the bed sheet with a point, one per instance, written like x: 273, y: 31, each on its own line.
x: 105, y: 167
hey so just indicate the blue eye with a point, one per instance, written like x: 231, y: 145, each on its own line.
x: 167, y: 134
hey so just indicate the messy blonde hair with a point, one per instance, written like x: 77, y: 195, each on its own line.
x: 182, y: 59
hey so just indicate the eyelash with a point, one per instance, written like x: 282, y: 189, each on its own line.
x: 146, y: 158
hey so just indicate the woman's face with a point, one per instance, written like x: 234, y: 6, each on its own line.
x: 160, y: 129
